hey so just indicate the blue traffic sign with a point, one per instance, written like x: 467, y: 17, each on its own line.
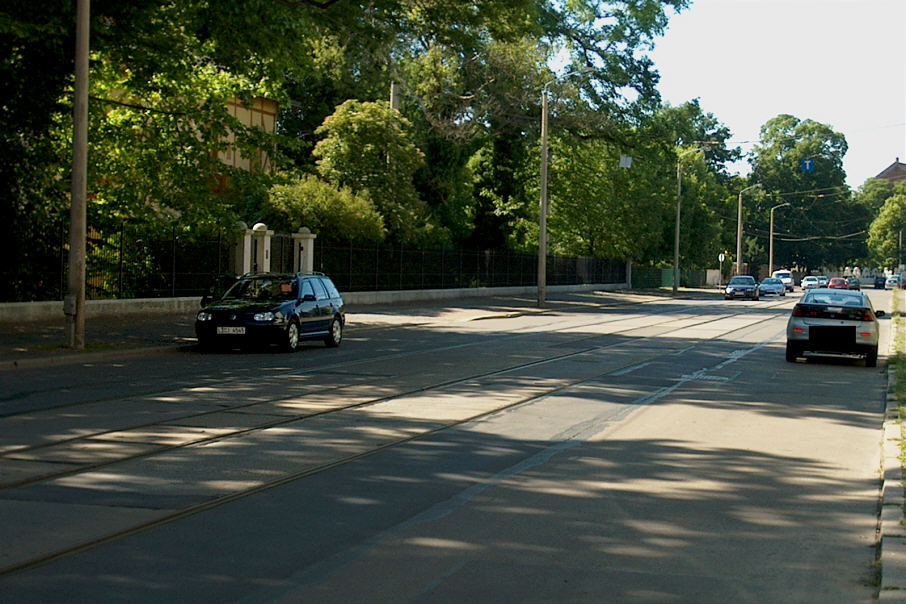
x: 808, y: 165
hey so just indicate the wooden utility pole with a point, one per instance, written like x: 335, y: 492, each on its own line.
x: 74, y: 302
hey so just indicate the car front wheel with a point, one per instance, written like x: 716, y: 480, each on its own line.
x: 291, y: 337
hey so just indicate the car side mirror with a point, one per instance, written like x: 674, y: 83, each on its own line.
x: 205, y: 300
x: 307, y: 298
x: 879, y: 313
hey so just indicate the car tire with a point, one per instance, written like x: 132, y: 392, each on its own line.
x: 336, y: 333
x: 792, y: 352
x: 291, y: 337
x: 871, y: 357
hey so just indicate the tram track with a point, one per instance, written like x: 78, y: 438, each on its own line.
x: 171, y: 421
x: 337, y: 462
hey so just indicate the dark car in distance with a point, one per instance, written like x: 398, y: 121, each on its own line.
x: 273, y: 308
x: 741, y: 286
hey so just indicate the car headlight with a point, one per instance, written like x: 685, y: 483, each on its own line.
x: 205, y: 316
x: 264, y: 317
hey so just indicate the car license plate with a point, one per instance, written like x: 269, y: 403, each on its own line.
x: 832, y: 336
x: 231, y: 331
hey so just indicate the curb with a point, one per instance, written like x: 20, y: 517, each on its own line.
x: 891, y: 526
x: 90, y: 357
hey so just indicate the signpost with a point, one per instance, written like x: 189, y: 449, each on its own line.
x: 720, y: 273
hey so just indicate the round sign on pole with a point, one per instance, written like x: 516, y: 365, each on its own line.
x: 722, y: 257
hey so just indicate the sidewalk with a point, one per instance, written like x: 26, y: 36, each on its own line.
x: 34, y: 343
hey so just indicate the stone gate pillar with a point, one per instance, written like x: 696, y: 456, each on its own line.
x: 304, y: 250
x: 243, y: 259
x: 261, y: 240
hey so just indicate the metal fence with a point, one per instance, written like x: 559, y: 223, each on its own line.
x: 129, y: 263
x: 388, y: 268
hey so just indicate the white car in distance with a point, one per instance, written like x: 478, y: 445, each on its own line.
x: 810, y: 282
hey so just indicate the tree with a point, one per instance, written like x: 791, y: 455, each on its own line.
x: 161, y: 75
x: 822, y: 226
x: 875, y: 192
x: 689, y: 124
x: 884, y: 240
x: 465, y: 84
x: 335, y: 215
x: 599, y: 209
x: 368, y: 148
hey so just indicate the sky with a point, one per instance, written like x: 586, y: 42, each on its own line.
x: 838, y: 62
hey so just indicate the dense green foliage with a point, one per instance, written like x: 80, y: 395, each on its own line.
x: 823, y: 225
x: 886, y: 201
x: 336, y: 214
x: 367, y: 148
x: 456, y: 164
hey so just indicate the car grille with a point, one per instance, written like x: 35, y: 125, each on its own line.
x: 228, y: 317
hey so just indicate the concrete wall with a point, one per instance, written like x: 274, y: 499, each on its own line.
x: 36, y: 311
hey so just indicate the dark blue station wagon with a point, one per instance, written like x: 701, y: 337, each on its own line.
x: 273, y: 308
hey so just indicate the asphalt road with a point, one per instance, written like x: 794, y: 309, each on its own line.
x: 653, y: 452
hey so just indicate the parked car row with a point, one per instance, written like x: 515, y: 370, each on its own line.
x: 777, y: 285
x: 847, y: 282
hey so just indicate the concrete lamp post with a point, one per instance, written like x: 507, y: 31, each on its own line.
x: 771, y: 240
x: 739, y: 230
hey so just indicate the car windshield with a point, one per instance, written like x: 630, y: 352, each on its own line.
x: 262, y: 288
x: 780, y: 275
x: 831, y: 298
x: 772, y: 280
x: 742, y: 280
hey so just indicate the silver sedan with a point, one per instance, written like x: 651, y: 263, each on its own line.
x: 772, y: 285
x: 833, y: 321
